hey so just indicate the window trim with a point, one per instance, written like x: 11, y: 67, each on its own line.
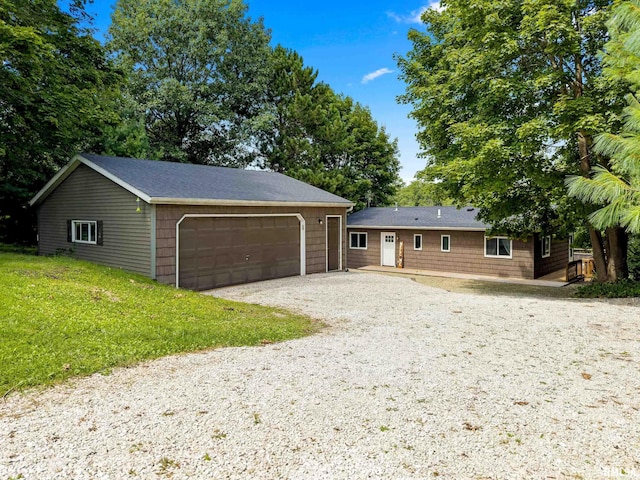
x: 417, y: 235
x: 366, y: 241
x: 442, y: 249
x: 90, y: 223
x: 543, y: 240
x: 498, y: 238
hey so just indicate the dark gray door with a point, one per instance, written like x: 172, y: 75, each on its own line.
x: 333, y: 243
x: 215, y: 252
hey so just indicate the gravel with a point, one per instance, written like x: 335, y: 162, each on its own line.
x: 406, y: 381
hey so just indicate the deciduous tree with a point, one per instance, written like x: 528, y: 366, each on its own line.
x: 508, y: 96
x: 198, y: 71
x: 58, y: 92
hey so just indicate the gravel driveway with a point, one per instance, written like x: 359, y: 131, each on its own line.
x: 406, y: 381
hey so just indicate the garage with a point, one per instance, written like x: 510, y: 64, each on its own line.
x: 220, y: 250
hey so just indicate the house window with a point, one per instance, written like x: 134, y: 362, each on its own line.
x: 358, y: 241
x: 417, y: 242
x: 499, y: 247
x: 546, y: 246
x: 571, y: 248
x: 84, y: 231
x: 445, y: 243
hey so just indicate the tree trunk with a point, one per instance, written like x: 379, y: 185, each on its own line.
x: 610, y: 252
x: 618, y: 242
x: 599, y: 259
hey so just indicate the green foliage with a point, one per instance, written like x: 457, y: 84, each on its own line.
x: 634, y: 257
x: 57, y: 97
x: 616, y: 190
x: 198, y: 73
x: 505, y: 94
x: 325, y: 139
x: 422, y: 193
x: 620, y: 289
x: 61, y: 317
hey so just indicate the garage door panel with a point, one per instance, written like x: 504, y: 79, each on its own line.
x: 216, y: 251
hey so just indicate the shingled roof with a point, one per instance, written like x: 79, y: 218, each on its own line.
x: 168, y: 182
x: 422, y: 218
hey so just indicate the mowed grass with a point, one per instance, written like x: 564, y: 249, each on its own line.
x: 61, y: 317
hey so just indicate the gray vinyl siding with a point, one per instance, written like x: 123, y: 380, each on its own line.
x: 87, y: 195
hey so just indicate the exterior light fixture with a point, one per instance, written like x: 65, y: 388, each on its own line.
x: 138, y: 209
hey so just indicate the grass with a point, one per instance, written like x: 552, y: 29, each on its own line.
x: 61, y: 317
x: 619, y: 289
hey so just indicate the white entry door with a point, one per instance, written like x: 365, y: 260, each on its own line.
x: 388, y: 248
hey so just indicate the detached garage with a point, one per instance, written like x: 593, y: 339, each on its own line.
x: 193, y: 226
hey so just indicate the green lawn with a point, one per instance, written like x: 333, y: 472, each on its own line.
x: 61, y: 317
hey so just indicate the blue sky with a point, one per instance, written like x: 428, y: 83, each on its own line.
x: 351, y: 44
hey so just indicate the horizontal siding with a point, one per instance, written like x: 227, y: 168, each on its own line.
x: 87, y: 195
x: 466, y: 255
x: 167, y: 217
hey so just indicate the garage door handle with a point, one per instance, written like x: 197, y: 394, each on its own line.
x: 246, y: 258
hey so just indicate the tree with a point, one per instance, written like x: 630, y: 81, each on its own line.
x: 618, y: 187
x: 58, y: 92
x: 508, y: 96
x: 325, y: 139
x: 421, y: 193
x: 198, y: 72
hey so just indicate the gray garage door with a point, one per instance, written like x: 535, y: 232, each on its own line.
x: 215, y: 252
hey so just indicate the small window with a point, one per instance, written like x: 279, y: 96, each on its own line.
x: 417, y: 242
x: 546, y: 246
x: 445, y: 243
x: 497, y: 247
x: 358, y: 241
x: 84, y: 231
x: 571, y: 248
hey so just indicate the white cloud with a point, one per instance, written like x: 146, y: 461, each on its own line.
x: 415, y: 16
x: 373, y: 75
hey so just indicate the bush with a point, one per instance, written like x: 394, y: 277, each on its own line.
x: 621, y: 289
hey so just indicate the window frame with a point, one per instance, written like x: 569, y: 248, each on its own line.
x: 91, y: 225
x: 416, y: 236
x: 497, y: 255
x: 366, y: 241
x: 448, y: 249
x: 543, y: 240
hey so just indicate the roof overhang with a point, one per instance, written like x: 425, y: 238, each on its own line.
x: 70, y: 167
x: 78, y: 160
x: 242, y: 203
x: 415, y: 227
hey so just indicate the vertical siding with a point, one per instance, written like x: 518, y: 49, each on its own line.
x: 466, y: 255
x: 167, y: 217
x: 87, y: 195
x: 556, y: 261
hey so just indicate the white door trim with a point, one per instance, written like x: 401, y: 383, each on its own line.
x: 382, y: 245
x: 326, y: 241
x: 303, y: 256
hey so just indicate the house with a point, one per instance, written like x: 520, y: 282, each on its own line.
x: 192, y: 226
x: 448, y: 239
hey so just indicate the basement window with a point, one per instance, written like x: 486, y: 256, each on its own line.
x: 497, y: 247
x: 545, y: 246
x: 358, y: 240
x: 83, y: 231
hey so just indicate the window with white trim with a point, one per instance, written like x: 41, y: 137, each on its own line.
x: 84, y: 231
x: 417, y: 241
x: 445, y: 243
x: 497, y: 247
x: 545, y: 246
x: 358, y: 240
